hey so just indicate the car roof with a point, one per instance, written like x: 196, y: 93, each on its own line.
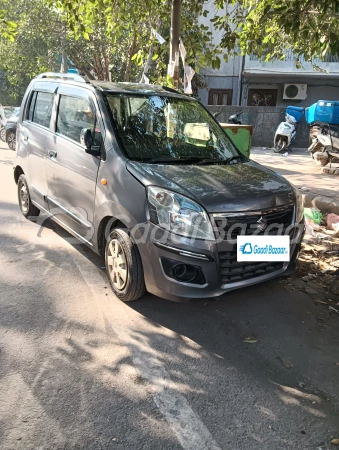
x: 109, y: 86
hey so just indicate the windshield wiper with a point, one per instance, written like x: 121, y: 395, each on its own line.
x: 189, y: 159
x: 218, y: 161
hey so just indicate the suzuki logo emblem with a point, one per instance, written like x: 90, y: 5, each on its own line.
x: 262, y: 224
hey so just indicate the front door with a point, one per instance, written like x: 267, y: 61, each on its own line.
x: 71, y: 172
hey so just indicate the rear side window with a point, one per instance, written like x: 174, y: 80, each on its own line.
x: 43, y: 108
x: 74, y: 115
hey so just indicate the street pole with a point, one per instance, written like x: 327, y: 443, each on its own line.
x: 175, y: 36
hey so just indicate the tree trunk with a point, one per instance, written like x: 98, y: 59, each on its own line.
x: 64, y: 64
x: 127, y: 76
x: 98, y: 67
x: 82, y: 68
x: 175, y: 36
x: 106, y: 64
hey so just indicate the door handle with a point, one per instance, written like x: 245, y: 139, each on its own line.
x: 52, y: 153
x: 25, y: 138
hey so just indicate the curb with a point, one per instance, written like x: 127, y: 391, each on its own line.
x: 325, y: 204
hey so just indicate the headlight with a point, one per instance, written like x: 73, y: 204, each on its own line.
x: 178, y: 214
x: 299, y: 205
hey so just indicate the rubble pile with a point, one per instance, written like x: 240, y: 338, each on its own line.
x: 317, y: 271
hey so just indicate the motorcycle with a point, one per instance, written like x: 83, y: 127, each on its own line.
x: 285, y: 134
x: 324, y: 146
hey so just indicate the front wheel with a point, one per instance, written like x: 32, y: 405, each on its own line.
x: 11, y: 140
x: 124, y: 266
x: 3, y: 134
x: 27, y: 208
x: 280, y: 146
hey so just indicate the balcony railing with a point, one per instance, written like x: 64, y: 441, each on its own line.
x: 291, y: 57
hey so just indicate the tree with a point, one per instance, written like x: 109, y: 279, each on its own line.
x: 42, y: 32
x: 34, y: 48
x: 268, y: 27
x: 132, y: 21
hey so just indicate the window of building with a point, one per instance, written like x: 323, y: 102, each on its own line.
x: 42, y: 108
x: 74, y: 115
x: 220, y: 97
x: 262, y: 97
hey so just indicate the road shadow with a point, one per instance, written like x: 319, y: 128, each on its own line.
x: 229, y: 383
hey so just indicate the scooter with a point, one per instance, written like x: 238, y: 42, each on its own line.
x: 285, y: 134
x: 324, y: 146
x: 234, y: 118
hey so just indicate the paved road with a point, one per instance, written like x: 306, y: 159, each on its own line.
x: 81, y: 370
x: 299, y: 168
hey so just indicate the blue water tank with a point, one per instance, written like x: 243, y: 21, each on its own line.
x: 295, y: 111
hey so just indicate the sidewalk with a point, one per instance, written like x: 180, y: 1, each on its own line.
x: 319, y: 189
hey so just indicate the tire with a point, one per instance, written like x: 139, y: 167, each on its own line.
x: 280, y: 146
x: 3, y: 134
x: 11, y: 140
x: 124, y: 266
x: 26, y: 206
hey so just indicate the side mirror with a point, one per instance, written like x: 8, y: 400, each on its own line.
x: 87, y: 141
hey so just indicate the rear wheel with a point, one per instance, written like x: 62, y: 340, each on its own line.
x: 124, y: 266
x: 11, y: 140
x: 3, y: 134
x: 27, y: 208
x: 280, y: 146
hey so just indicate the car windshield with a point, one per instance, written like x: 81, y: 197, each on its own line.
x: 158, y: 128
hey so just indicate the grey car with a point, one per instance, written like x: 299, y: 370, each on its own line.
x: 148, y: 179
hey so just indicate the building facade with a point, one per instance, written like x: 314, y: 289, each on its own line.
x: 249, y: 81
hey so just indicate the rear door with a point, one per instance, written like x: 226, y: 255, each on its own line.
x: 35, y: 137
x: 72, y: 173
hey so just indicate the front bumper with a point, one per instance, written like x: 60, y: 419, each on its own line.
x: 202, y: 254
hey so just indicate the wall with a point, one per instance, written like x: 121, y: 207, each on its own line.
x: 322, y: 88
x: 219, y: 82
x: 265, y: 121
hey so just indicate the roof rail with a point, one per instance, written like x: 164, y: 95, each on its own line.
x: 64, y: 76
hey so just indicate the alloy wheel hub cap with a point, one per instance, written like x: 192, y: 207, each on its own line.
x: 116, y: 261
x: 24, y: 197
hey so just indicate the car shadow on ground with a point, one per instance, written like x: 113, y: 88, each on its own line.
x: 201, y: 344
x: 283, y: 321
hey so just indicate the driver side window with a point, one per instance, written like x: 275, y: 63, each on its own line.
x: 74, y: 115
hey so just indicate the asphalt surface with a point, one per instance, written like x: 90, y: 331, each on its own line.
x: 81, y: 370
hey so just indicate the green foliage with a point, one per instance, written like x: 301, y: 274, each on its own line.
x: 111, y: 38
x: 268, y: 27
x: 33, y: 49
x: 7, y: 27
x: 130, y: 21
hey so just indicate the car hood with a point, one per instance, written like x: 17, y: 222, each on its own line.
x: 12, y: 120
x: 219, y: 188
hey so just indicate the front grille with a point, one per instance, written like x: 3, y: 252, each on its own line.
x: 233, y: 271
x: 276, y: 222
